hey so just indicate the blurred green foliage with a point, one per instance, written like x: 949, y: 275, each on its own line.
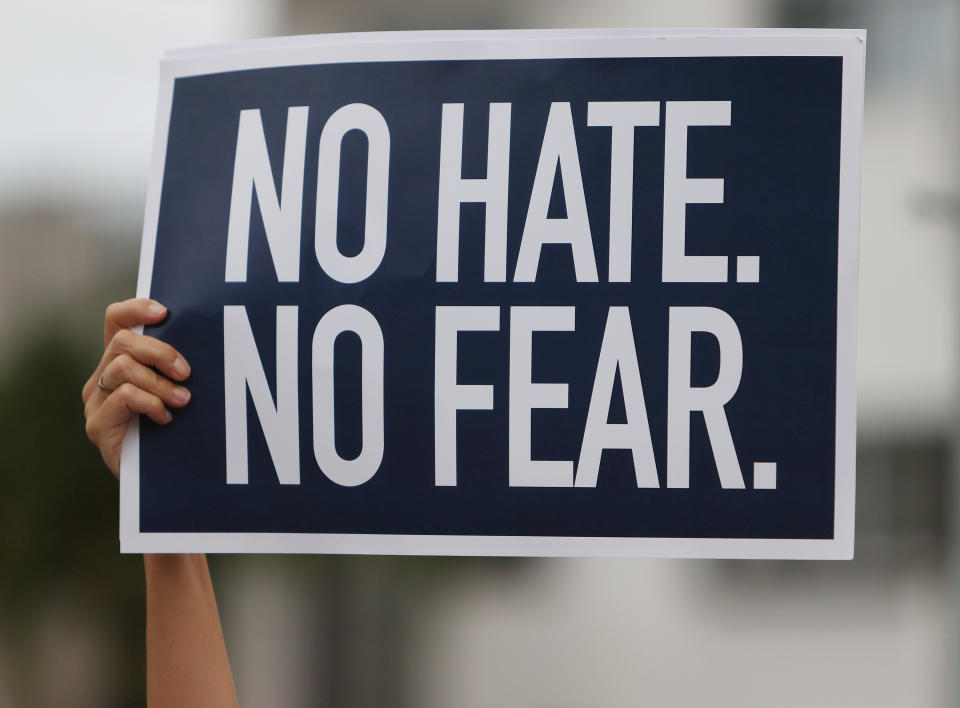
x: 59, y: 514
x: 59, y: 539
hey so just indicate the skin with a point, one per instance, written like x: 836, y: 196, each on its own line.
x: 187, y: 663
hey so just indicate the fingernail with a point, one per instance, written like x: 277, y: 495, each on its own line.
x: 180, y: 367
x: 167, y: 416
x: 156, y: 309
x: 181, y: 395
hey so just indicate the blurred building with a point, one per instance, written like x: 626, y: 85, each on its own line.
x: 56, y: 253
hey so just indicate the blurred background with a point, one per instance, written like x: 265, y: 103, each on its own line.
x: 79, y: 91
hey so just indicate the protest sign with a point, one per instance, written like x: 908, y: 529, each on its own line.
x: 514, y: 293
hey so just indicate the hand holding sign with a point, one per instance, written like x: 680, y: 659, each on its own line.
x: 127, y: 382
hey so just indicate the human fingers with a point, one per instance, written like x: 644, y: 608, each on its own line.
x: 130, y: 313
x: 149, y: 351
x: 107, y: 423
x: 125, y: 369
x: 141, y: 348
x: 126, y: 401
x: 121, y: 316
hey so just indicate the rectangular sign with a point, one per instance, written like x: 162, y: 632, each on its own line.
x: 506, y: 293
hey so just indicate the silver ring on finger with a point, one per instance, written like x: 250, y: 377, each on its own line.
x: 101, y: 386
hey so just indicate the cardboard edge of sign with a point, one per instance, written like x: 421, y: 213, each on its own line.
x: 477, y: 546
x: 386, y: 46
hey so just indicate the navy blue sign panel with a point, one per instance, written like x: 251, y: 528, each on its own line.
x: 506, y: 293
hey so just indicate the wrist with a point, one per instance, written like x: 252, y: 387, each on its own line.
x: 167, y: 564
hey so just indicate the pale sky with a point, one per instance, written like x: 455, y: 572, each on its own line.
x: 79, y: 89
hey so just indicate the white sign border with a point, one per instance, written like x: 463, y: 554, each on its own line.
x: 533, y: 44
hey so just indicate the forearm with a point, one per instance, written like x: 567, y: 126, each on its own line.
x: 187, y: 662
